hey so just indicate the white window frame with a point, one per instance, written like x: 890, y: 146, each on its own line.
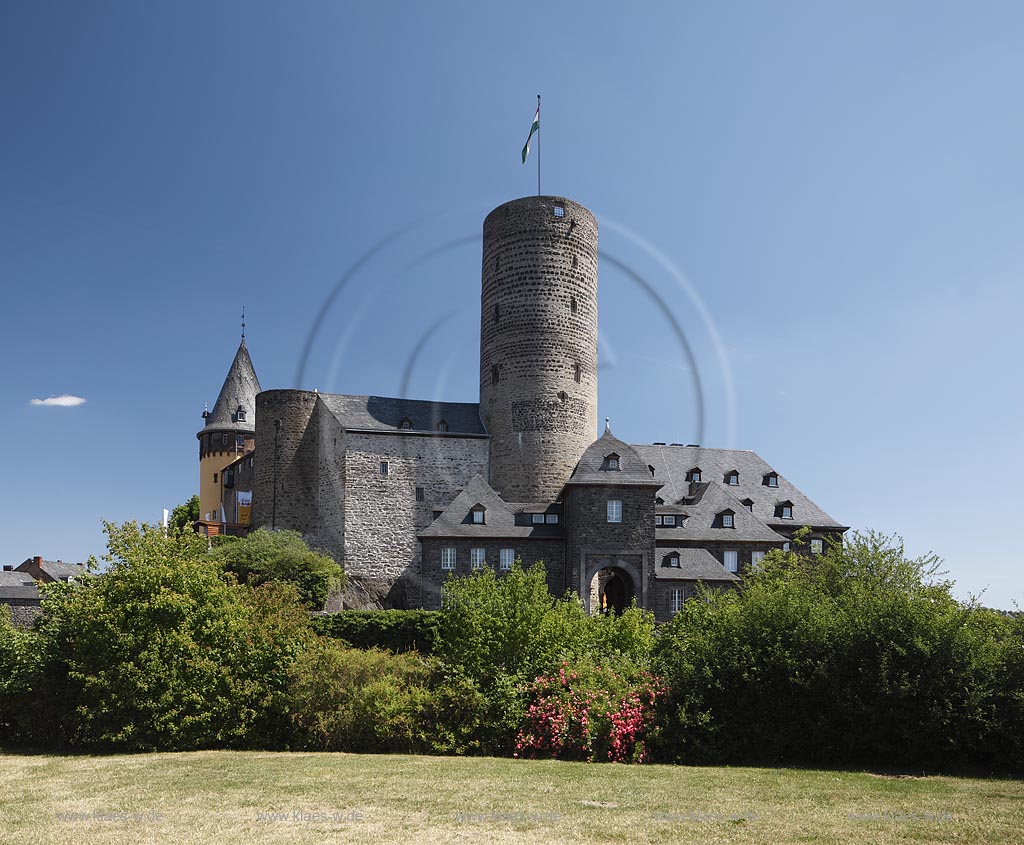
x: 537, y: 518
x: 731, y: 556
x: 448, y: 558
x: 385, y: 469
x: 728, y: 520
x: 506, y: 557
x: 673, y: 561
x: 658, y: 519
x: 614, y: 510
x: 817, y: 546
x: 785, y: 547
x: 478, y: 516
x: 756, y: 558
x: 678, y: 598
x: 477, y: 557
x: 773, y: 479
x: 733, y: 479
x: 613, y: 463
x: 669, y: 520
x: 551, y: 518
x: 787, y: 511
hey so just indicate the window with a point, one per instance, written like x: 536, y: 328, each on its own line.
x: 771, y: 479
x: 615, y: 510
x: 419, y: 494
x: 673, y: 561
x: 558, y: 211
x: 478, y: 516
x: 497, y: 314
x: 448, y: 557
x: 612, y: 461
x: 507, y: 558
x: 577, y: 373
x: 406, y: 424
x: 785, y: 547
x: 678, y: 597
x: 727, y: 519
x: 224, y: 439
x: 732, y: 560
x: 670, y: 520
x: 538, y: 518
x: 572, y: 299
x: 551, y: 518
x: 786, y: 511
x: 694, y: 475
x: 817, y: 547
x: 240, y: 414
x: 658, y: 519
x: 384, y: 468
x: 749, y: 504
x: 732, y: 478
x: 476, y: 558
x: 442, y: 426
x: 239, y: 441
x: 494, y: 374
x: 755, y: 559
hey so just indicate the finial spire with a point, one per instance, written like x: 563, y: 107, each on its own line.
x: 243, y: 322
x: 607, y: 425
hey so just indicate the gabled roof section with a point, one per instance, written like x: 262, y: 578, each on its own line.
x: 383, y: 414
x: 592, y: 467
x: 672, y: 463
x: 239, y: 389
x: 704, y: 524
x: 694, y: 565
x: 455, y: 521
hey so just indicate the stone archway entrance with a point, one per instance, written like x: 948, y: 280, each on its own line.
x: 611, y: 584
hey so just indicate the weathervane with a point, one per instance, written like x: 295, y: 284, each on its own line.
x: 243, y: 322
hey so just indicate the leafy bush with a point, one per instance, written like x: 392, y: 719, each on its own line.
x: 160, y: 652
x: 393, y: 630
x: 860, y: 656
x: 345, y: 699
x: 282, y: 556
x: 589, y: 712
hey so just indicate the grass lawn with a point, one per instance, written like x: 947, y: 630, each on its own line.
x: 240, y: 797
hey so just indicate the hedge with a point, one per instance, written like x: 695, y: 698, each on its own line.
x: 394, y: 630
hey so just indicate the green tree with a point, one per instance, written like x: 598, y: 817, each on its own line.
x: 266, y: 556
x: 162, y: 652
x: 185, y: 514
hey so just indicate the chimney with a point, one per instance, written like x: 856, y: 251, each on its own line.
x: 38, y: 560
x: 8, y: 567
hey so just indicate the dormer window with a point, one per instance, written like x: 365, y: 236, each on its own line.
x: 784, y: 510
x: 749, y: 504
x: 693, y: 475
x: 669, y: 520
x: 673, y: 561
x: 405, y: 424
x: 771, y: 479
x: 240, y: 414
x: 476, y: 515
x: 611, y: 461
x: 658, y: 520
x: 732, y: 478
x: 726, y: 519
x: 659, y: 501
x: 442, y: 426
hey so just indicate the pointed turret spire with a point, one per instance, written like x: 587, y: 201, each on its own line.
x: 607, y: 425
x: 235, y: 408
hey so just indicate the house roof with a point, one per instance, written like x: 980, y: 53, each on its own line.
x: 240, y: 388
x: 694, y: 565
x: 17, y: 585
x: 380, y: 413
x: 671, y: 464
x: 499, y: 518
x: 58, y: 570
x: 592, y: 468
x: 708, y: 502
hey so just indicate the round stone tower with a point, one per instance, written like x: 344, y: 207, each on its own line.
x: 538, y: 343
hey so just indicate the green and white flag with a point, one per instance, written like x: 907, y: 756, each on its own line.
x: 534, y: 127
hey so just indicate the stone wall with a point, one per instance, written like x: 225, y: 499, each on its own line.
x: 538, y: 344
x: 549, y: 550
x: 23, y: 611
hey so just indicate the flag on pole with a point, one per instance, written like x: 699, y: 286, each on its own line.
x: 534, y: 127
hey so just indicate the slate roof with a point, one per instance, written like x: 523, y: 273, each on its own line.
x: 703, y: 523
x: 455, y: 520
x: 380, y: 413
x: 17, y: 585
x: 240, y: 388
x: 694, y: 565
x: 592, y: 468
x: 56, y: 569
x: 672, y: 463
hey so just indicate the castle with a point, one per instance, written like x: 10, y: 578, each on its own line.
x: 407, y: 493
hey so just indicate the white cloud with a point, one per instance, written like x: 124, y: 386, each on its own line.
x: 65, y: 400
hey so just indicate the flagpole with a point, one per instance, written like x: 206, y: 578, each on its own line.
x: 538, y: 145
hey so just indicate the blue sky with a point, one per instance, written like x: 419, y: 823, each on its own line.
x: 840, y: 186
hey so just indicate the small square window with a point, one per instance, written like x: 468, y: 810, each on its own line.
x: 507, y: 558
x: 478, y: 517
x: 773, y: 480
x: 670, y: 520
x: 817, y: 547
x: 551, y: 518
x: 477, y: 557
x: 787, y: 511
x: 538, y: 518
x: 727, y: 520
x: 384, y: 468
x: 657, y: 519
x: 674, y: 561
x: 732, y: 479
x: 785, y: 547
x: 239, y: 440
x: 613, y: 463
x: 615, y: 510
x: 448, y: 557
x: 559, y: 211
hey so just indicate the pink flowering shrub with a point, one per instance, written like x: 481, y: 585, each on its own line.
x: 589, y: 712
